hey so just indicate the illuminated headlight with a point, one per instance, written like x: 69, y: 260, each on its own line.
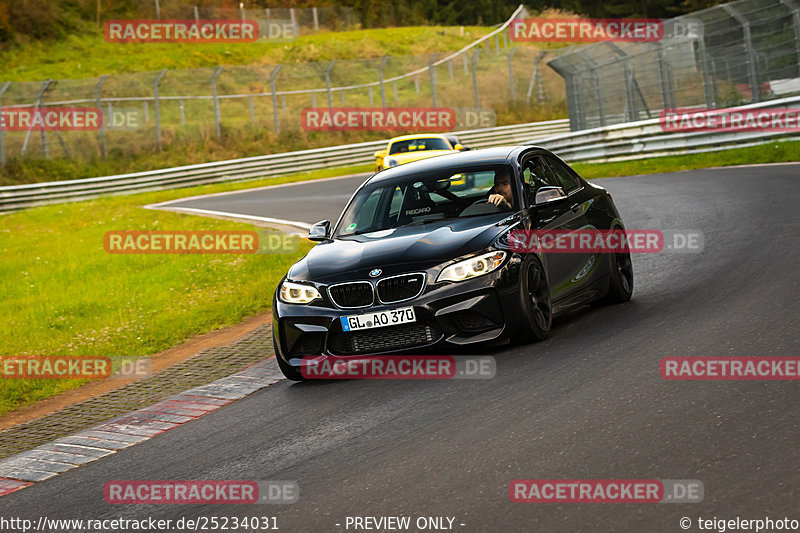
x: 470, y: 268
x: 297, y: 293
x: 391, y: 162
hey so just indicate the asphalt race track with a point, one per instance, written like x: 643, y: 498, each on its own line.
x: 587, y: 403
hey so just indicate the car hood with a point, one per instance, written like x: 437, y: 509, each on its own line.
x: 398, y: 250
x: 408, y: 157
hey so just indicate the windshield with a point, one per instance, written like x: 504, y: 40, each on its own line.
x: 418, y: 145
x: 420, y: 199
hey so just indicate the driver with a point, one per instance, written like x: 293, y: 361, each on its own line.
x: 500, y: 193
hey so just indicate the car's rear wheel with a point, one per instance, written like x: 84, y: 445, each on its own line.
x: 620, y: 284
x: 536, y: 305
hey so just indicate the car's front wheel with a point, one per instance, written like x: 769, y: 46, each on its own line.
x: 536, y: 305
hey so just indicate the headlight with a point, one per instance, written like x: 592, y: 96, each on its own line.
x: 391, y: 162
x: 297, y: 293
x: 470, y: 268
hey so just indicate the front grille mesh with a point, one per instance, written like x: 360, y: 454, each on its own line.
x: 385, y: 339
x: 400, y: 288
x: 352, y: 294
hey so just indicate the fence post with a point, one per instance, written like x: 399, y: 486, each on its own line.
x: 3, y: 130
x: 466, y: 68
x: 432, y: 72
x: 272, y: 77
x: 328, y: 83
x: 475, y: 78
x: 38, y: 104
x: 252, y: 109
x: 102, y: 132
x: 749, y: 50
x: 371, y: 101
x: 416, y: 83
x: 511, y: 72
x: 294, y: 21
x: 394, y: 86
x: 380, y: 77
x: 157, y: 106
x: 536, y: 77
x: 316, y: 18
x: 217, y: 118
x: 497, y: 43
x: 196, y: 16
x: 183, y: 113
x: 158, y: 10
x: 450, y: 68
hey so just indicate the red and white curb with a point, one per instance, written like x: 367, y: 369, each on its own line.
x: 26, y: 468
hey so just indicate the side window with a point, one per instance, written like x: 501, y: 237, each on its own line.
x: 535, y: 174
x: 566, y: 178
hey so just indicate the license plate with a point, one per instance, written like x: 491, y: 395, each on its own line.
x: 379, y: 319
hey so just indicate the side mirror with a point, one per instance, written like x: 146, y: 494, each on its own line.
x: 380, y: 154
x: 458, y: 147
x: 320, y: 231
x: 548, y: 195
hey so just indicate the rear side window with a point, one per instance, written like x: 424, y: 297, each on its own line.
x: 567, y: 179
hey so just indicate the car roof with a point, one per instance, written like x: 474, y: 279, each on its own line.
x: 482, y: 156
x: 417, y: 136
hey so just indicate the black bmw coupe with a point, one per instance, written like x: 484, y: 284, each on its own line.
x: 420, y: 255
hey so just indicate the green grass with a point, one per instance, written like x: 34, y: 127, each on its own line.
x: 90, y: 55
x: 752, y: 155
x: 64, y: 295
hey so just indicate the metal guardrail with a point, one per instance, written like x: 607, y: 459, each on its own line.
x: 634, y: 140
x: 638, y: 140
x: 16, y: 197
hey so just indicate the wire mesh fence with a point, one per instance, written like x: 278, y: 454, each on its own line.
x: 147, y: 111
x: 741, y: 52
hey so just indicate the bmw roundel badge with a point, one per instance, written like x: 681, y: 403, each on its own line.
x: 375, y: 272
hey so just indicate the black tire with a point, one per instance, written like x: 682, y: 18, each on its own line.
x: 292, y: 373
x: 536, y: 306
x: 620, y: 283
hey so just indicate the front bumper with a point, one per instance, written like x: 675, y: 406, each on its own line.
x: 475, y: 310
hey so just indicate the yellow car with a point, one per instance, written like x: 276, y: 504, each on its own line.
x: 408, y: 148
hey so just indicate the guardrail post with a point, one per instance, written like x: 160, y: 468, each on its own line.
x: 2, y: 129
x: 511, y: 73
x: 272, y: 77
x: 157, y: 106
x: 475, y: 78
x: 328, y: 83
x: 432, y: 72
x: 380, y: 78
x: 102, y: 132
x: 38, y: 104
x: 215, y: 97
